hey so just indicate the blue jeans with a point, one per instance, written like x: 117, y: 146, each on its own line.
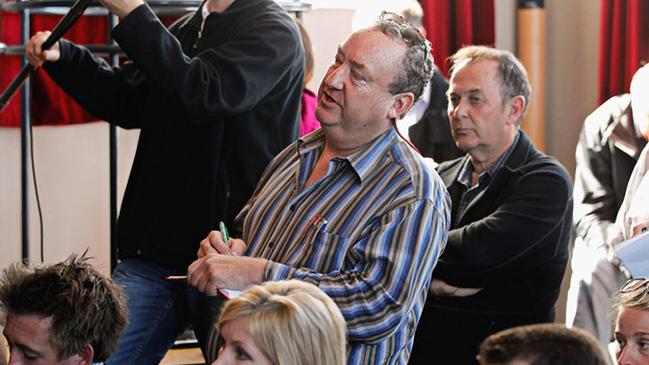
x: 158, y: 312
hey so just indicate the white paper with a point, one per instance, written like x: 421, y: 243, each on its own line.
x: 634, y: 254
x: 230, y: 293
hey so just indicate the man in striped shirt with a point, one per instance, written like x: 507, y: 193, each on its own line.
x: 352, y: 207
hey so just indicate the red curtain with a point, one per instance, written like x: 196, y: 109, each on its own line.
x: 452, y: 24
x: 50, y: 105
x: 624, y: 44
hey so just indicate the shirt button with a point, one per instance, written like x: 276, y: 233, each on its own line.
x: 271, y: 244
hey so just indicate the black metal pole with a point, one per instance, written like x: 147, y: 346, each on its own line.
x: 25, y: 124
x: 114, y: 60
x: 63, y: 26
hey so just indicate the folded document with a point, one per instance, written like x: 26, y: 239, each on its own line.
x: 634, y: 255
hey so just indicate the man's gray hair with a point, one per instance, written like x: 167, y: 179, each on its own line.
x: 511, y: 72
x: 418, y: 62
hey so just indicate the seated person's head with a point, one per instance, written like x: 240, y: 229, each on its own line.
x: 283, y: 322
x: 632, y: 323
x: 541, y: 344
x: 67, y: 313
x: 639, y: 95
x: 510, y: 76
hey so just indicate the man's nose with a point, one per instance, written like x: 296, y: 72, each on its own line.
x: 458, y: 110
x: 335, y: 77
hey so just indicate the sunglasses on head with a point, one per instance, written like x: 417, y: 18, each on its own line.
x: 634, y: 284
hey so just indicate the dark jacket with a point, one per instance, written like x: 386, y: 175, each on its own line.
x: 512, y: 241
x: 608, y: 149
x: 213, y: 111
x: 432, y: 133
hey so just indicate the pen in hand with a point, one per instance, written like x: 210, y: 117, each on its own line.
x: 175, y: 277
x: 224, y: 233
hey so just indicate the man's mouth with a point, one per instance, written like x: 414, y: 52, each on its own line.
x: 329, y: 99
x: 461, y: 130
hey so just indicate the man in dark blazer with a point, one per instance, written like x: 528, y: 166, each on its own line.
x: 511, y: 217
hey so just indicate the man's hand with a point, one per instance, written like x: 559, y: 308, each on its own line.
x: 121, y: 8
x: 214, y: 243
x: 35, y: 55
x: 215, y: 271
x: 441, y: 288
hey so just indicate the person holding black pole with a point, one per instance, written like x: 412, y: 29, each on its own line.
x: 215, y: 97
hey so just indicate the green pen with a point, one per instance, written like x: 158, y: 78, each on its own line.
x: 224, y: 233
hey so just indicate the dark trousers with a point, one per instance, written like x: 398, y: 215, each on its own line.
x: 451, y: 336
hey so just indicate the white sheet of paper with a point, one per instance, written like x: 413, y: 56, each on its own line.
x: 230, y: 293
x: 634, y: 254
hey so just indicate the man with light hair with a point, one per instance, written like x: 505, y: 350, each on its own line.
x: 65, y: 314
x: 511, y: 204
x: 351, y: 208
x: 610, y: 144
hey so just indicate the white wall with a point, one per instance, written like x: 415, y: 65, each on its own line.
x: 572, y: 67
x: 326, y: 43
x: 72, y: 174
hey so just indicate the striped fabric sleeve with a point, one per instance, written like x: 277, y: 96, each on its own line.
x: 392, y: 270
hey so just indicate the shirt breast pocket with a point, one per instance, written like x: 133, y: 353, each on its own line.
x: 322, y: 251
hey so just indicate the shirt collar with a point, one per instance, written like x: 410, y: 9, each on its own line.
x: 464, y: 177
x: 204, y: 11
x: 624, y: 133
x: 362, y: 161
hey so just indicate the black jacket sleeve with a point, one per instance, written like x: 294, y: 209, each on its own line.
x: 226, y: 78
x: 516, y: 226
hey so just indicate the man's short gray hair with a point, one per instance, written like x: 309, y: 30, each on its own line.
x: 418, y: 62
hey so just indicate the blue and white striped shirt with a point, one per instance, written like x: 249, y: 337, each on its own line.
x: 368, y: 233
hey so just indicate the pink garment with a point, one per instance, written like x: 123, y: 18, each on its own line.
x: 308, y: 121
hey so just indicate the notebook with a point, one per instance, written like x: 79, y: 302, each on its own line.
x: 634, y: 255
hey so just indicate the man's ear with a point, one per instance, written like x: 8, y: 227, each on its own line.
x: 516, y: 108
x: 85, y: 356
x: 402, y: 103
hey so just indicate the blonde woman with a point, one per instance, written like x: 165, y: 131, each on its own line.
x: 632, y: 323
x: 282, y: 323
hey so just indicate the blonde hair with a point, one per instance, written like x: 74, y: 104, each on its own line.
x: 292, y: 322
x: 309, y: 56
x: 632, y: 296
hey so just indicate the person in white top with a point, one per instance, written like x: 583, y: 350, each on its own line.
x: 633, y: 216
